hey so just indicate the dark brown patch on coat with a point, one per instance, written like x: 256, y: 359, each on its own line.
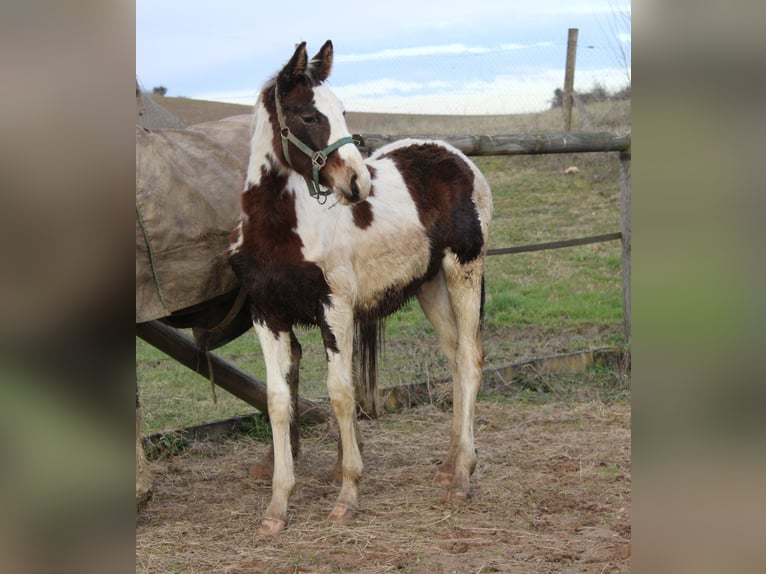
x: 297, y: 100
x: 284, y: 288
x: 441, y: 184
x: 267, y: 229
x: 362, y: 213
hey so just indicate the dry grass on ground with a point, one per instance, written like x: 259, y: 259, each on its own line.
x: 551, y: 494
x: 197, y: 111
x: 604, y: 116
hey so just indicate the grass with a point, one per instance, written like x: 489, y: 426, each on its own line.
x: 604, y: 116
x: 537, y: 303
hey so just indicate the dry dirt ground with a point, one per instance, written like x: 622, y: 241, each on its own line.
x: 551, y: 493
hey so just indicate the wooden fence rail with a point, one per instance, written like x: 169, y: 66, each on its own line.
x: 517, y: 144
x: 252, y: 391
x: 535, y: 144
x: 556, y: 244
x: 234, y: 380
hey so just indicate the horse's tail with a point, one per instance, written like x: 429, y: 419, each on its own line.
x: 368, y: 343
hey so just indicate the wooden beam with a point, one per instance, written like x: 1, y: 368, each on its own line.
x: 625, y: 217
x: 569, y: 72
x: 555, y: 244
x: 517, y: 144
x: 240, y: 384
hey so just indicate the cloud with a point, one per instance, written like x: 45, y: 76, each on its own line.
x: 412, y: 52
x: 241, y: 97
x: 510, y: 47
x: 386, y: 86
x: 504, y: 94
x: 375, y: 88
x: 527, y: 92
x: 434, y: 50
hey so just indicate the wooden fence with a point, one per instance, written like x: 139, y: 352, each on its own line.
x: 253, y: 391
x: 537, y: 144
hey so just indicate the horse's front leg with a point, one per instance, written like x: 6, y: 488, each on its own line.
x: 264, y: 468
x: 277, y: 354
x: 339, y: 338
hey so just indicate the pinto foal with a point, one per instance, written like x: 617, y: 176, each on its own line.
x: 328, y: 239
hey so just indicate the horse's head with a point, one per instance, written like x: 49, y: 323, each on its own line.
x: 310, y: 132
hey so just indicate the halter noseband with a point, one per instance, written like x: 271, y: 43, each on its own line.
x: 318, y: 158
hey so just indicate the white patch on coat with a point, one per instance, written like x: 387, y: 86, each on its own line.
x: 261, y: 149
x: 328, y: 104
x: 365, y: 263
x: 237, y: 243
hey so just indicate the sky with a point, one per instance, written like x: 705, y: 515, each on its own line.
x: 396, y: 56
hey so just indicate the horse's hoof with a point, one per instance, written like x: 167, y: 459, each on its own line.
x: 458, y: 495
x: 261, y: 471
x: 270, y: 526
x: 342, y: 514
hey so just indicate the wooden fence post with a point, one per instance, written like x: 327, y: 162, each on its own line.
x: 569, y: 78
x: 625, y: 222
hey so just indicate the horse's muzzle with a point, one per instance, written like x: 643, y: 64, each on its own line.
x: 356, y: 190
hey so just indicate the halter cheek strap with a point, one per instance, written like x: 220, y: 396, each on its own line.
x: 318, y: 158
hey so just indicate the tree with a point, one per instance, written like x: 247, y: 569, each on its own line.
x: 620, y: 34
x: 159, y: 90
x: 558, y: 98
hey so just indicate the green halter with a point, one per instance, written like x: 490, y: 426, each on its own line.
x: 318, y: 158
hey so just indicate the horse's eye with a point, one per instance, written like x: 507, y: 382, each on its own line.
x: 309, y: 119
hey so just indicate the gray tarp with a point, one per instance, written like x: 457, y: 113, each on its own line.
x: 188, y: 184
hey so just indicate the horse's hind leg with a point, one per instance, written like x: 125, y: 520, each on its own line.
x: 434, y: 300
x: 463, y: 282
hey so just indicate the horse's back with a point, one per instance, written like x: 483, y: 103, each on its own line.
x: 451, y: 195
x: 435, y: 170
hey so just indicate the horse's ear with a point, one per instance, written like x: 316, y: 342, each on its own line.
x: 321, y: 64
x: 296, y: 66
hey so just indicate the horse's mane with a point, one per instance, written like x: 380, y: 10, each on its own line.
x: 307, y: 76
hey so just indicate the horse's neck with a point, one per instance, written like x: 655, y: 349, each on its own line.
x: 267, y: 177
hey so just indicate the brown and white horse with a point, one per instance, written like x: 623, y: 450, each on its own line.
x: 327, y: 238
